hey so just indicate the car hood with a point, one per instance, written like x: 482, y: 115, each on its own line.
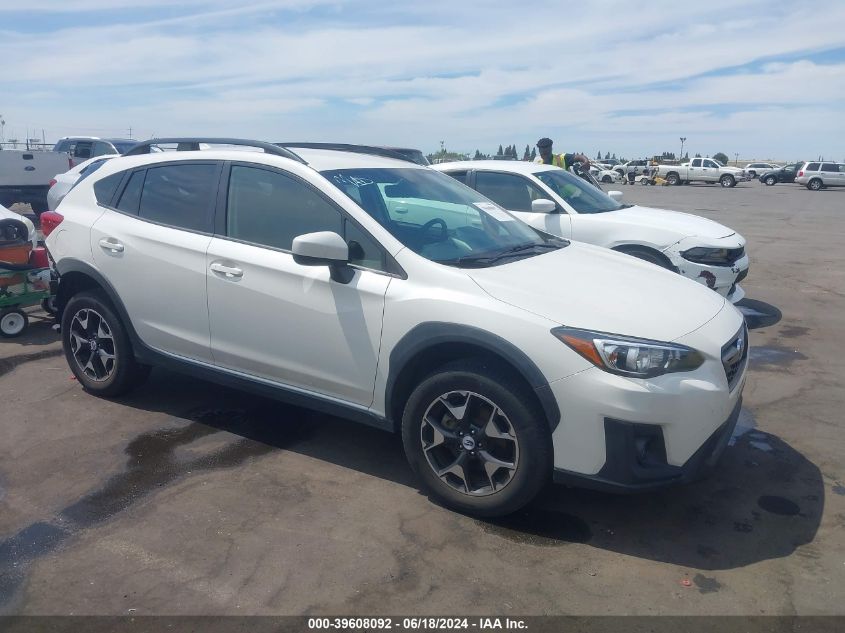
x: 593, y: 288
x: 685, y: 224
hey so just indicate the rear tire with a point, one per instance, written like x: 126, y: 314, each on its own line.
x: 97, y: 347
x: 488, y: 446
x: 673, y: 179
x: 13, y: 322
x: 815, y: 184
x: 606, y: 179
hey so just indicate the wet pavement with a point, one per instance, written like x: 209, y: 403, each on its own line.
x: 188, y: 498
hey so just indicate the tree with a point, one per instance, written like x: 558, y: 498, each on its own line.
x: 614, y: 156
x: 686, y: 156
x: 500, y: 152
x: 698, y: 155
x: 721, y: 157
x: 607, y: 156
x: 527, y: 154
x: 478, y: 155
x: 533, y: 153
x: 598, y: 156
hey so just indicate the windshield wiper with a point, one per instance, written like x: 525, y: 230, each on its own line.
x: 522, y: 249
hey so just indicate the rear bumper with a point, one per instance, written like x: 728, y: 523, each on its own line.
x: 636, y: 458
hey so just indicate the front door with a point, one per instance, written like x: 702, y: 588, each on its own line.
x: 515, y: 193
x: 275, y: 319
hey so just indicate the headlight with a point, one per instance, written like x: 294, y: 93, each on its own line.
x: 713, y: 256
x: 627, y: 356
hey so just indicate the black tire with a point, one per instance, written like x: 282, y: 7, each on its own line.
x: 646, y: 255
x: 752, y: 173
x: 533, y: 445
x: 125, y: 372
x: 49, y: 305
x: 727, y: 181
x: 815, y: 184
x: 673, y: 179
x: 606, y: 179
x: 770, y: 180
x: 13, y: 322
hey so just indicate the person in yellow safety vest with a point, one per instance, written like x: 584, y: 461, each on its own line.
x: 564, y: 161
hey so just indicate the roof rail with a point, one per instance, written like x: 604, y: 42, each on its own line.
x: 347, y: 147
x: 193, y: 144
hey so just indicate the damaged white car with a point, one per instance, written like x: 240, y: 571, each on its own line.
x: 554, y: 201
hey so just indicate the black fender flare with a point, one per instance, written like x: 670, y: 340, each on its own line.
x: 433, y: 333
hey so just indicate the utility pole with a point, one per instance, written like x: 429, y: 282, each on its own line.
x: 683, y: 140
x: 736, y: 159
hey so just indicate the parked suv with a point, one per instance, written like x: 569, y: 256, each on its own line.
x: 753, y: 169
x: 81, y: 148
x: 818, y: 175
x: 391, y: 294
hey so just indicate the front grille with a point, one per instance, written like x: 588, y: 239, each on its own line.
x: 735, y: 355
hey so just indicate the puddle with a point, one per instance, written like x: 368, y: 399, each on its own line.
x: 705, y: 584
x: 793, y: 331
x: 771, y: 357
x: 541, y: 527
x: 759, y: 314
x: 12, y: 362
x: 778, y: 505
x: 744, y: 424
x: 839, y: 489
x: 155, y: 459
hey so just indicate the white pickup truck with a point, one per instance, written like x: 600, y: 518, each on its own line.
x: 25, y: 176
x: 702, y: 170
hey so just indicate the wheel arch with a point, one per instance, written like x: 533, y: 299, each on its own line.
x: 627, y: 247
x: 431, y: 345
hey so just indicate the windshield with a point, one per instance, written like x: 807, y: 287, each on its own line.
x: 578, y: 193
x: 439, y: 218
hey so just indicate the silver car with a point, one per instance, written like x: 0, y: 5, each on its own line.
x: 818, y: 175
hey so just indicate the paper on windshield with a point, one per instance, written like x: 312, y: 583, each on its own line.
x: 495, y: 212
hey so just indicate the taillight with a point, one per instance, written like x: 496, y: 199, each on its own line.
x: 801, y: 173
x: 49, y: 221
x: 52, y: 182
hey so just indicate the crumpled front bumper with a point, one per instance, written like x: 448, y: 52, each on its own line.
x: 723, y: 279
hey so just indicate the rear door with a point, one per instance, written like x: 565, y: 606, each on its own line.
x: 830, y: 174
x: 151, y: 243
x: 275, y: 319
x: 516, y: 193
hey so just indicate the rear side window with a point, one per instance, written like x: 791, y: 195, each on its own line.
x: 180, y: 196
x: 460, y: 176
x: 105, y: 187
x: 812, y: 167
x: 829, y: 167
x: 269, y: 208
x: 130, y: 199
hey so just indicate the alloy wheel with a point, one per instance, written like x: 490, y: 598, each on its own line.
x: 469, y: 443
x: 92, y: 345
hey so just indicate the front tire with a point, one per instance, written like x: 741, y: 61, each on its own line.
x: 727, y: 181
x: 606, y: 179
x: 814, y: 185
x: 97, y: 347
x: 770, y: 180
x: 477, y: 439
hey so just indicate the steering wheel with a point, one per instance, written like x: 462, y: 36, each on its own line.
x: 425, y: 228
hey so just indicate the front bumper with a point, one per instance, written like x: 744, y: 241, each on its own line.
x: 608, y: 420
x: 723, y: 279
x: 636, y: 458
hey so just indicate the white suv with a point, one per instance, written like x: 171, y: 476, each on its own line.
x: 818, y: 175
x: 554, y: 201
x: 389, y: 293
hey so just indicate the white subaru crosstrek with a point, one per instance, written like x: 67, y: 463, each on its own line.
x: 557, y: 202
x: 390, y: 294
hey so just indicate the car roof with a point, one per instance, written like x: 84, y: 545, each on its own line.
x: 513, y: 166
x: 317, y: 159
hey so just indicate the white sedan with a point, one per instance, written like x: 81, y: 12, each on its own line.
x: 554, y: 201
x: 605, y: 175
x: 62, y: 183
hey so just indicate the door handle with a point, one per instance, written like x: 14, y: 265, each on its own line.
x: 111, y: 244
x: 230, y: 272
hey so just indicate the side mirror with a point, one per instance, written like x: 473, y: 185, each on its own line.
x: 543, y: 206
x: 616, y: 195
x: 324, y: 248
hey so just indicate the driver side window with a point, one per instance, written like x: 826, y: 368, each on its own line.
x: 510, y: 191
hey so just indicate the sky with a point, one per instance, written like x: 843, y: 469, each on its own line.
x: 764, y: 80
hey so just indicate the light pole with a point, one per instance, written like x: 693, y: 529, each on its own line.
x: 683, y: 140
x: 736, y: 159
